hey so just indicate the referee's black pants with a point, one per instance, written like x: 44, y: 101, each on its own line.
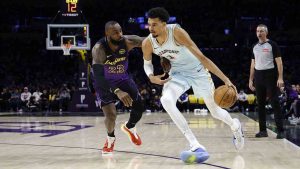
x: 266, y: 86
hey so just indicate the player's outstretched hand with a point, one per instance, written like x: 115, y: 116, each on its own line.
x: 125, y: 98
x: 157, y: 79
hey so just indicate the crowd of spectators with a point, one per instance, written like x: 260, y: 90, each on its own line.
x: 35, y: 99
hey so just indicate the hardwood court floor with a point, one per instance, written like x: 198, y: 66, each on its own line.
x: 76, y: 142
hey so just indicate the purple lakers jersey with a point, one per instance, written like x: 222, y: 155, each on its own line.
x: 116, y: 64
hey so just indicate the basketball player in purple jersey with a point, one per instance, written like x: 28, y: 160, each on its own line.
x: 112, y: 82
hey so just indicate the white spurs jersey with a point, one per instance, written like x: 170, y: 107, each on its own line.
x: 180, y: 57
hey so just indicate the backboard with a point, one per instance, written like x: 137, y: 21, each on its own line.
x: 75, y: 34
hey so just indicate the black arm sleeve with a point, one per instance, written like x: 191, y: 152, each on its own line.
x: 100, y: 81
x: 90, y: 79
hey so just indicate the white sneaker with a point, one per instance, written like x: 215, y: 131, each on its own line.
x: 196, y: 156
x: 132, y: 134
x: 109, y: 145
x: 133, y: 131
x: 238, y: 136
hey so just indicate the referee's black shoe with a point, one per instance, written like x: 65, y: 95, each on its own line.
x: 261, y: 134
x: 280, y: 135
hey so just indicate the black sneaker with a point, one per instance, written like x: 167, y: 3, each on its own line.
x: 280, y: 135
x: 261, y: 134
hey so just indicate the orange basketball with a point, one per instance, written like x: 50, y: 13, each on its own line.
x: 225, y: 96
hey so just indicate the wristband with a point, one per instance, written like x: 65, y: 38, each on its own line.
x: 116, y: 90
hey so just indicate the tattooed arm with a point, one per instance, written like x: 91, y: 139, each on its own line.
x: 99, y: 57
x: 133, y: 41
x: 98, y: 54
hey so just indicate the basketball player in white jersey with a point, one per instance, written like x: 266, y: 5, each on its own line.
x: 188, y: 69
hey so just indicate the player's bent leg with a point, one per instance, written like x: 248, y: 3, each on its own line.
x: 217, y: 112
x: 203, y: 86
x: 109, y: 111
x: 129, y: 127
x: 171, y: 93
x: 136, y: 113
x: 110, y: 114
x: 221, y: 114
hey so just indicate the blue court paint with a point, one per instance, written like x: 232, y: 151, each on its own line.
x: 35, y: 127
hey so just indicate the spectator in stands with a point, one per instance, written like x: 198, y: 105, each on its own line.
x: 156, y: 106
x: 44, y: 101
x: 242, y: 101
x: 4, y: 100
x: 15, y: 99
x: 251, y: 102
x: 291, y: 104
x: 53, y: 100
x: 37, y: 95
x: 153, y: 93
x: 145, y: 96
x: 25, y: 98
x: 298, y: 90
x: 64, y: 98
x: 1, y: 101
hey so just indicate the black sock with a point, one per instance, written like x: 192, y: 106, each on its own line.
x: 112, y: 134
x: 136, y: 113
x: 130, y: 125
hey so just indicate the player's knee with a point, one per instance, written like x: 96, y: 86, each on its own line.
x: 111, y: 116
x: 210, y: 103
x: 212, y: 106
x: 165, y: 100
x: 218, y: 113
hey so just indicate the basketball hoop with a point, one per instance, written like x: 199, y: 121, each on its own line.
x: 66, y: 48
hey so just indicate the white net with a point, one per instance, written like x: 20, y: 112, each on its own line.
x: 66, y: 48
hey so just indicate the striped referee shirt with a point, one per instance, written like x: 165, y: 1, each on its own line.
x: 264, y: 55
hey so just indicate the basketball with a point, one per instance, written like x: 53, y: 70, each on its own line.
x: 225, y: 96
x: 165, y: 64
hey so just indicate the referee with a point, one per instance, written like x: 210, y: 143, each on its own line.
x: 268, y: 79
